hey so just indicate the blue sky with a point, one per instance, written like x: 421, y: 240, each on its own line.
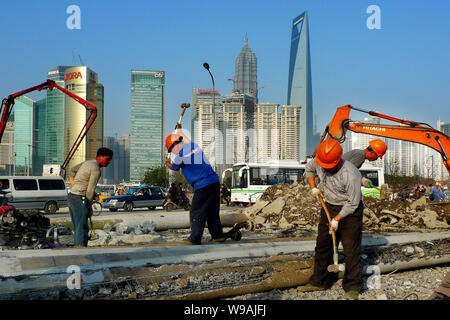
x: 402, y: 70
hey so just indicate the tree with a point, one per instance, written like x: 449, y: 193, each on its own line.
x: 227, y: 182
x: 178, y: 177
x: 158, y: 176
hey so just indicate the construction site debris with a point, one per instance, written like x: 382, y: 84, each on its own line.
x: 22, y: 228
x: 289, y: 206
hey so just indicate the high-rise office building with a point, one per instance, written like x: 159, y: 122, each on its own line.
x: 83, y: 82
x: 239, y: 137
x: 444, y: 127
x: 39, y: 133
x: 124, y: 157
x: 267, y: 124
x: 299, y: 83
x: 23, y: 134
x: 201, y: 113
x: 7, y: 149
x: 119, y: 169
x: 290, y: 132
x: 55, y: 114
x: 245, y: 76
x: 147, y: 121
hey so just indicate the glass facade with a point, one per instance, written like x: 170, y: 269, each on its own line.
x: 83, y: 82
x: 40, y: 126
x: 245, y: 80
x: 299, y: 82
x: 54, y: 133
x: 23, y: 134
x: 147, y: 121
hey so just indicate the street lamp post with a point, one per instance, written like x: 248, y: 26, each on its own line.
x: 206, y: 66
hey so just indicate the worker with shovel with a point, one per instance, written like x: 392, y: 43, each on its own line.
x: 343, y: 203
x: 200, y: 175
x: 374, y: 151
x: 83, y: 180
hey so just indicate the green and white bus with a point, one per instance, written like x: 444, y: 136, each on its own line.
x: 250, y: 180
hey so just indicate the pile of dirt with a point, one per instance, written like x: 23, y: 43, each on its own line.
x: 289, y: 206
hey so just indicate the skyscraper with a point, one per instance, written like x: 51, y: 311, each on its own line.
x: 443, y: 127
x: 83, y: 82
x: 201, y: 117
x: 290, y: 128
x: 7, y: 149
x: 23, y: 133
x: 267, y: 126
x: 245, y: 76
x: 55, y: 114
x: 239, y: 137
x: 299, y: 83
x: 39, y: 127
x: 147, y: 121
x: 124, y: 157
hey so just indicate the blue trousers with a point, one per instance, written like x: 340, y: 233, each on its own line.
x: 205, y: 208
x: 79, y: 213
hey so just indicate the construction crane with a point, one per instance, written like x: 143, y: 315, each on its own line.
x: 8, y: 103
x: 255, y: 94
x: 418, y: 132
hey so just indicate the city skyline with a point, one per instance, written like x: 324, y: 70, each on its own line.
x: 386, y: 70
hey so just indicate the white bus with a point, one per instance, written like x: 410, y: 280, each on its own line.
x: 250, y: 180
x: 376, y: 175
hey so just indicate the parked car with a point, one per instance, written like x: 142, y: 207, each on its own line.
x: 48, y: 193
x: 150, y: 197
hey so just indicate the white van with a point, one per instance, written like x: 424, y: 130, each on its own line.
x: 47, y: 193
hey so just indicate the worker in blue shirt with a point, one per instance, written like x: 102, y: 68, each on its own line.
x: 436, y: 193
x: 200, y: 175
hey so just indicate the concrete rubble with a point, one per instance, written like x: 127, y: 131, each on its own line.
x: 293, y: 206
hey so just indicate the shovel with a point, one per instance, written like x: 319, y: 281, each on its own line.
x: 335, y: 267
x: 93, y: 236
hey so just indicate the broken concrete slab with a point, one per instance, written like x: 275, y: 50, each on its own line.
x: 273, y: 208
x: 422, y: 201
x: 430, y: 219
x: 254, y: 209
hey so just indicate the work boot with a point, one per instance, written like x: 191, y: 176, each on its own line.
x: 351, y: 295
x: 188, y: 242
x: 309, y: 287
x: 218, y: 240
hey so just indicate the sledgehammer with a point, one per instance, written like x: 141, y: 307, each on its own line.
x: 335, y: 267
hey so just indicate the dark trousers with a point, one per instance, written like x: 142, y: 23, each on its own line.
x: 350, y: 233
x: 79, y: 213
x: 205, y: 208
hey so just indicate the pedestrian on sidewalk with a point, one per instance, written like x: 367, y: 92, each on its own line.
x: 200, y: 175
x: 83, y: 180
x: 342, y: 194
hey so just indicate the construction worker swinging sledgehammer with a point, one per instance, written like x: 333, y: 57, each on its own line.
x: 342, y: 194
x: 200, y: 175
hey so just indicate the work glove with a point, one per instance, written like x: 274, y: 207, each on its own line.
x: 335, y: 223
x: 316, y: 192
x: 178, y: 126
x: 367, y: 182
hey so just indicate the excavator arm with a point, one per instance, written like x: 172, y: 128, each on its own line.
x: 407, y: 130
x: 8, y: 103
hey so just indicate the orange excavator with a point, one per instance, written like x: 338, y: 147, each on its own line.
x: 8, y: 103
x: 407, y: 130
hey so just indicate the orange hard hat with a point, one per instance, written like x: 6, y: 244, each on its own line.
x: 172, y: 140
x: 379, y: 147
x: 328, y: 153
